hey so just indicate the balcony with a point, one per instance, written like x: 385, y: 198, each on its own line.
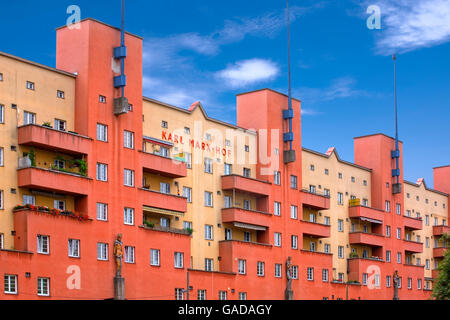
x: 232, y: 250
x: 439, y: 252
x: 52, y: 139
x: 252, y: 186
x: 158, y: 200
x: 440, y: 230
x: 412, y: 223
x: 370, y: 239
x: 54, y: 181
x: 358, y: 266
x: 241, y: 217
x: 168, y: 230
x: 313, y: 229
x: 163, y: 166
x: 366, y: 213
x: 314, y: 200
x: 413, y: 246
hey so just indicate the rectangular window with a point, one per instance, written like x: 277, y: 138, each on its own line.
x: 209, y: 264
x: 102, y: 172
x: 228, y: 234
x: 28, y: 200
x: 154, y: 257
x: 188, y: 160
x: 388, y: 281
x: 1, y: 200
x: 164, y: 187
x: 29, y: 118
x: 260, y: 269
x: 43, y: 243
x: 242, y: 266
x: 30, y: 85
x: 128, y: 178
x: 409, y: 283
x: 201, y: 294
x: 74, y: 248
x: 294, y: 242
x: 208, y: 199
x: 128, y: 216
x: 310, y: 274
x: 247, y: 172
x: 101, y: 99
x: 227, y: 169
x: 427, y: 220
x: 102, y: 132
x: 398, y: 208
x: 228, y: 202
x: 387, y: 206
x: 399, y: 233
x: 128, y: 139
x: 2, y: 113
x: 277, y: 208
x: 399, y: 257
x: 242, y: 295
x: 247, y: 236
x: 208, y: 232
x: 129, y: 254
x: 10, y: 284
x: 341, y: 252
x: 293, y: 182
x: 222, y: 295
x: 102, y: 211
x: 388, y: 231
x: 187, y: 193
x: 293, y: 212
x: 102, y: 251
x: 341, y: 225
x: 1, y: 76
x: 326, y: 192
x: 325, y: 275
x: 178, y: 260
x: 179, y: 294
x: 2, y: 241
x: 277, y: 239
x: 364, y: 279
x: 312, y: 188
x: 187, y: 225
x: 43, y: 287
x: 327, y: 221
x: 278, y: 270
x: 295, y: 272
x: 277, y: 178
x: 340, y: 198
x: 388, y: 256
x: 60, y: 125
x: 419, y: 284
x: 60, y: 94
x: 327, y: 248
x: 208, y: 165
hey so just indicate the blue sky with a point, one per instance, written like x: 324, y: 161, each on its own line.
x: 342, y: 71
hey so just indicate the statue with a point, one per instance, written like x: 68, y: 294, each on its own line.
x: 396, y: 285
x: 289, y: 293
x: 118, y: 255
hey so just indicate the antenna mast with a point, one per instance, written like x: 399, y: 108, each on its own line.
x: 396, y: 188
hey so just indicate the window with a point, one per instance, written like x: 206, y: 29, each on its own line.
x: 365, y: 182
x: 178, y: 260
x: 208, y: 199
x: 326, y: 192
x: 312, y: 246
x: 208, y: 165
x: 260, y: 269
x: 10, y: 284
x: 294, y: 242
x: 208, y: 136
x: 154, y: 257
x: 208, y: 232
x: 1, y: 76
x: 340, y: 198
x: 187, y: 225
x: 242, y: 266
x: 277, y: 178
x: 399, y: 233
x: 43, y: 287
x: 60, y: 125
x: 228, y: 202
x: 340, y: 175
x: 409, y: 283
x: 74, y: 248
x: 427, y: 242
x: 164, y: 187
x: 435, y: 221
x: 60, y: 94
x: 102, y: 211
x: 208, y: 264
x: 408, y: 213
x: 222, y: 295
x: 340, y: 225
x: 179, y: 294
x: 128, y: 178
x: 364, y: 279
x: 30, y: 85
x: 188, y: 160
x: 312, y: 217
x: 129, y: 254
x: 242, y: 295
x: 247, y: 236
x: 365, y: 202
x: 419, y: 284
x: 388, y: 231
x: 387, y: 206
x: 427, y: 264
x: 128, y: 139
x: 29, y: 118
x: 28, y: 200
x: 278, y: 268
x: 1, y: 241
x: 43, y: 244
x: 164, y: 124
x: 388, y: 281
x: 2, y: 113
x: 247, y: 172
x: 1, y: 200
x: 101, y: 99
x: 277, y: 208
x: 325, y: 275
x: 326, y: 221
x: 310, y: 274
x: 102, y: 132
x: 128, y: 216
x: 227, y: 169
x: 187, y: 193
x: 247, y: 148
x: 59, y: 164
x: 187, y: 130
x: 276, y: 151
x: 164, y: 222
x: 427, y: 220
x: 398, y: 208
x: 327, y: 248
x: 399, y: 257
x: 293, y: 182
x: 377, y: 280
x: 327, y: 172
x: 102, y: 251
x: 353, y: 179
x: 388, y: 256
x: 293, y: 212
x: 163, y: 152
x: 341, y: 252
x: 247, y: 205
x: 228, y: 234
x: 277, y: 239
x: 102, y: 172
x: 201, y: 294
x: 227, y: 143
x: 311, y: 167
x: 294, y: 272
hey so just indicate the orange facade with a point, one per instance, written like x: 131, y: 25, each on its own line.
x: 87, y: 52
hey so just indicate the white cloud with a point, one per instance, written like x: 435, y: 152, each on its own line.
x: 410, y: 24
x: 246, y: 72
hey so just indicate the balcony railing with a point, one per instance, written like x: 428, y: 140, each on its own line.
x: 163, y: 166
x: 371, y: 239
x: 412, y: 246
x: 440, y: 230
x: 366, y: 213
x: 439, y: 252
x: 52, y: 139
x: 170, y: 230
x: 314, y: 229
x: 315, y: 200
x: 412, y: 223
x: 155, y: 199
x: 358, y: 266
x: 243, y: 216
x: 247, y: 185
x: 232, y: 250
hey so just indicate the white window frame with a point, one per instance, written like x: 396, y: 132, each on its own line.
x: 102, y: 132
x: 128, y: 139
x: 27, y: 199
x: 102, y: 211
x: 29, y: 118
x: 2, y: 113
x: 277, y: 178
x: 58, y: 123
x: 209, y: 232
x: 102, y: 171
x: 128, y: 178
x: 102, y: 251
x: 73, y: 247
x: 1, y: 200
x: 310, y: 274
x: 30, y: 85
x: 129, y: 256
x: 209, y: 264
x: 222, y: 295
x: 340, y: 252
x: 242, y: 266
x: 294, y: 212
x: 128, y: 216
x: 10, y: 287
x: 208, y: 165
x: 201, y: 294
x: 188, y: 160
x: 178, y: 260
x: 155, y: 257
x: 277, y: 239
x: 324, y: 275
x: 208, y: 199
x: 277, y: 208
x: 43, y: 244
x: 278, y: 270
x: 227, y: 169
x: 340, y: 198
x: 42, y: 284
x: 294, y: 242
x: 60, y: 94
x: 243, y: 296
x: 187, y: 193
x: 59, y: 204
x: 260, y: 266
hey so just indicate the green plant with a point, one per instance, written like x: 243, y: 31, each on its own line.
x: 354, y: 255
x: 32, y: 157
x: 82, y: 166
x: 441, y: 288
x: 149, y: 224
x: 189, y: 230
x: 47, y: 124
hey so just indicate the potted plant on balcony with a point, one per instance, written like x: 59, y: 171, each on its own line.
x: 47, y: 124
x: 189, y: 230
x: 149, y: 224
x: 354, y: 255
x: 32, y: 157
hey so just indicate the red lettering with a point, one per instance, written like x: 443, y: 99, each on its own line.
x: 175, y: 138
x: 224, y: 152
x: 164, y: 137
x: 169, y: 138
x: 197, y: 145
x: 191, y: 142
x: 181, y: 139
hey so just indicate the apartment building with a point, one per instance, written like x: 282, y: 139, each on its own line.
x: 194, y: 195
